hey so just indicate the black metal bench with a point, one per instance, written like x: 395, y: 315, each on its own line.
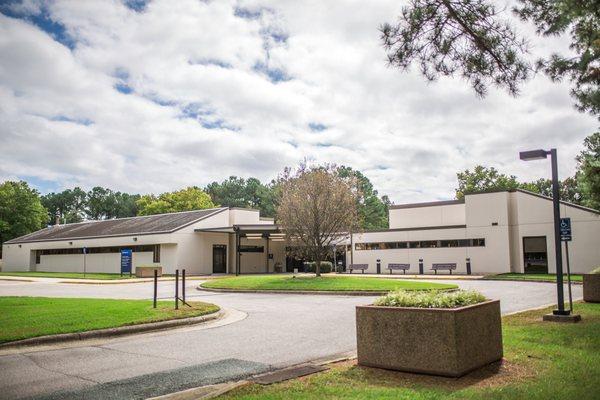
x: 362, y: 267
x: 403, y: 267
x: 443, y: 267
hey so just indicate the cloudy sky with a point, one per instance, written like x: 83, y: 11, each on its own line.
x: 155, y: 96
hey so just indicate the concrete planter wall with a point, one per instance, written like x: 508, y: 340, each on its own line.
x: 147, y: 272
x: 591, y: 288
x: 448, y: 342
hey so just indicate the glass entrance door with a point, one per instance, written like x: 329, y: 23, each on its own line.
x: 219, y: 258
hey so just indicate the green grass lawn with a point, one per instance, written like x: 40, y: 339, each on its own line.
x: 543, y: 361
x: 67, y: 275
x: 330, y: 283
x: 533, y: 277
x: 26, y: 317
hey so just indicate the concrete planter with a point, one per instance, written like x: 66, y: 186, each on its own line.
x: 591, y: 288
x: 447, y: 342
x: 147, y: 272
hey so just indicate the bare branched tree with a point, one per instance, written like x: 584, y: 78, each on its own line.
x: 315, y: 206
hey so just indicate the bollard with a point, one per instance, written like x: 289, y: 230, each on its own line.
x: 155, y: 286
x: 378, y: 266
x: 468, y: 266
x: 183, y: 286
x: 421, y: 266
x: 176, y: 289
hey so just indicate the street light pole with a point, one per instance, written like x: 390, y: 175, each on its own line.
x: 557, y: 242
x: 538, y: 155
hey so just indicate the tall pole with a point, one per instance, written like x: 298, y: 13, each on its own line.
x: 557, y: 242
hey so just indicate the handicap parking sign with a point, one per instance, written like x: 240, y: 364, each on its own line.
x: 565, y: 229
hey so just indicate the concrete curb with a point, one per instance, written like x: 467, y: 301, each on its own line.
x: 111, y: 332
x: 307, y: 292
x: 529, y: 280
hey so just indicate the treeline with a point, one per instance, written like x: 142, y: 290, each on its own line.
x: 23, y: 210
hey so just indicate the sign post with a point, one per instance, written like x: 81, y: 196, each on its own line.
x: 126, y: 257
x: 566, y: 236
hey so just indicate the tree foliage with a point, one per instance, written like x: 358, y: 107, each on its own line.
x: 75, y: 205
x: 315, y: 206
x: 581, y: 20
x: 482, y: 179
x: 21, y: 211
x: 471, y: 38
x: 466, y: 37
x: 239, y: 192
x: 191, y: 198
x: 588, y: 176
x: 372, y: 210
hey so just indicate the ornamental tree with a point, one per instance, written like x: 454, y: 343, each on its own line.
x: 316, y: 206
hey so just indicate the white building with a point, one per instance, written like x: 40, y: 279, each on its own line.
x: 505, y: 231
x: 202, y: 242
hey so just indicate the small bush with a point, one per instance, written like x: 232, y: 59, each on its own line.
x: 430, y: 299
x: 326, y: 267
x: 595, y: 271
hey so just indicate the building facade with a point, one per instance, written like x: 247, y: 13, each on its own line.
x: 497, y: 232
x: 201, y: 241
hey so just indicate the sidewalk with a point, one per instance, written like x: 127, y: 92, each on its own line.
x: 82, y: 281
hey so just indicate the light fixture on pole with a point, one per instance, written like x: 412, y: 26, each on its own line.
x: 560, y: 313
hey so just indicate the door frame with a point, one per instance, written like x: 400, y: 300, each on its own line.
x: 223, y: 248
x: 523, y: 252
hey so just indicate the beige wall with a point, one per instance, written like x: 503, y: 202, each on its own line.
x: 453, y: 214
x: 535, y: 218
x: 481, y: 263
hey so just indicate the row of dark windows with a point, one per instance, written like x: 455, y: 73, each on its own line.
x: 420, y: 244
x: 154, y: 248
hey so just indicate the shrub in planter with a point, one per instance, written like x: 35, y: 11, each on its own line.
x: 591, y: 286
x: 147, y: 271
x: 326, y: 267
x: 439, y: 333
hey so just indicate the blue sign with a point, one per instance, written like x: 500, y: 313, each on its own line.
x: 126, y: 257
x: 565, y: 229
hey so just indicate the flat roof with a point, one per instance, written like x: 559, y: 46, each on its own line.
x: 142, y: 225
x: 243, y: 228
x: 461, y: 201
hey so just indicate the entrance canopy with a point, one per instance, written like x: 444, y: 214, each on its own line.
x: 267, y: 232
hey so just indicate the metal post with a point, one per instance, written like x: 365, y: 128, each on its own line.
x: 557, y: 242
x: 378, y: 266
x: 267, y: 262
x: 351, y: 248
x: 569, y: 276
x: 237, y: 252
x: 84, y: 261
x: 155, y: 286
x: 176, y: 289
x: 468, y: 266
x: 421, y: 272
x: 183, y: 286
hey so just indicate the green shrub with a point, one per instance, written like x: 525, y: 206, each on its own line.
x: 430, y: 299
x: 326, y: 267
x: 595, y: 271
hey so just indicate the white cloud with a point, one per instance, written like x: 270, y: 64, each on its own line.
x: 212, y: 89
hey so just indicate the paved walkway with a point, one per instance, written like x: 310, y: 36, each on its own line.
x: 279, y: 330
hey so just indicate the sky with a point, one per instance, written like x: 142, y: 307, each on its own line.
x: 153, y: 96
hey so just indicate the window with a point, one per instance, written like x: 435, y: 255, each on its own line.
x: 420, y: 244
x: 148, y: 248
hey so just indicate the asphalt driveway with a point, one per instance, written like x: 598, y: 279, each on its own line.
x: 269, y: 330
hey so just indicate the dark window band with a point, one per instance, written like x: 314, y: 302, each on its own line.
x: 421, y: 244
